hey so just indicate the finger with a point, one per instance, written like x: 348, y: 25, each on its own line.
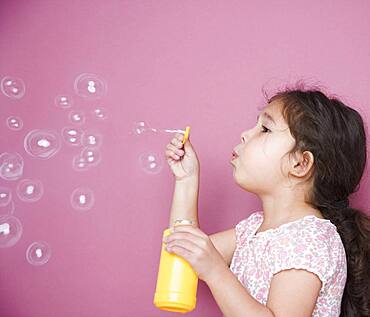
x: 195, y: 239
x: 179, y: 136
x: 176, y: 142
x: 172, y: 155
x: 175, y: 149
x: 183, y: 244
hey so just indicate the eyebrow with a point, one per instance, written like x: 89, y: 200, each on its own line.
x: 267, y: 116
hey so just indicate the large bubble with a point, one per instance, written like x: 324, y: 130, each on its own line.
x: 38, y: 253
x: 90, y: 86
x: 13, y: 87
x: 42, y: 144
x: 30, y: 190
x: 11, y: 231
x: 82, y: 198
x: 11, y: 166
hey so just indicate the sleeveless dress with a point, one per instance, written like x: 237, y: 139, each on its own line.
x: 309, y: 243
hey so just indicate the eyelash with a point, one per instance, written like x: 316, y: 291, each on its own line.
x: 265, y: 130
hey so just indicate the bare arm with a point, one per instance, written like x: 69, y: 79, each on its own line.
x: 185, y: 201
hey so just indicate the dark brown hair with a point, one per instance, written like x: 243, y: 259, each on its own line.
x: 335, y: 134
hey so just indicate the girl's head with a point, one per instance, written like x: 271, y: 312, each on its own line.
x: 318, y: 144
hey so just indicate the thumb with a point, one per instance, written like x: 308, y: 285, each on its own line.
x: 188, y: 146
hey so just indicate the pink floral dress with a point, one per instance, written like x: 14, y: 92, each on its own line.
x: 309, y: 243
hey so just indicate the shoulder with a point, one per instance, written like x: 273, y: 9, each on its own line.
x: 312, y: 244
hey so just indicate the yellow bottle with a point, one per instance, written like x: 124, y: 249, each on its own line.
x: 177, y: 282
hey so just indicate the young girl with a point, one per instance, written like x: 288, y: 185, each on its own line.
x: 307, y: 252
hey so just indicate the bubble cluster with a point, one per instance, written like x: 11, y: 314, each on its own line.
x: 11, y: 230
x: 42, y: 144
x: 38, y: 253
x: 13, y: 87
x: 63, y: 101
x: 77, y: 117
x: 72, y: 136
x: 90, y: 86
x: 5, y: 196
x: 82, y: 198
x: 14, y: 123
x: 100, y: 113
x: 30, y: 190
x: 151, y: 162
x: 7, y: 209
x: 11, y: 166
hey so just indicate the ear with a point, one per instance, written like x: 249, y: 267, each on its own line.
x: 302, y: 164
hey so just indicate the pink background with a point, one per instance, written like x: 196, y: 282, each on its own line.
x: 170, y: 64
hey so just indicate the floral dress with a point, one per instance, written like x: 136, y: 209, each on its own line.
x: 309, y: 243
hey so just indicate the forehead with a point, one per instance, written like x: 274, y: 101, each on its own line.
x: 273, y: 112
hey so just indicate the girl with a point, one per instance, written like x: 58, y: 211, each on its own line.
x: 307, y: 252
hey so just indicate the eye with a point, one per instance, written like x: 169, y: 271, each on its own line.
x: 265, y: 129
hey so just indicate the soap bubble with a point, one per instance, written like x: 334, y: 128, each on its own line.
x: 90, y: 86
x: 91, y: 156
x: 72, y: 136
x: 151, y: 162
x: 5, y: 196
x: 38, y: 253
x: 42, y: 144
x: 11, y: 166
x: 82, y: 198
x: 30, y: 190
x: 8, y: 209
x: 92, y: 139
x: 63, y: 101
x: 13, y: 87
x: 79, y: 164
x: 10, y: 231
x: 14, y: 123
x: 140, y: 127
x: 99, y: 113
x: 77, y: 116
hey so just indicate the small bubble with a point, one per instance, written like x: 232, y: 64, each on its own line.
x: 63, y: 101
x: 14, y: 123
x: 151, y: 163
x: 91, y: 156
x: 140, y: 127
x: 13, y: 87
x: 90, y: 86
x: 99, y: 114
x: 79, y: 164
x: 77, y: 116
x: 42, y: 144
x: 38, y: 253
x: 5, y: 196
x: 72, y: 136
x: 11, y: 166
x: 11, y: 231
x: 30, y: 190
x: 92, y: 139
x: 82, y: 198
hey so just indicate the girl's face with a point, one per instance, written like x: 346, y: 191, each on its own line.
x: 259, y: 167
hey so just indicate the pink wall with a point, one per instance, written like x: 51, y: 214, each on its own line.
x: 170, y: 64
